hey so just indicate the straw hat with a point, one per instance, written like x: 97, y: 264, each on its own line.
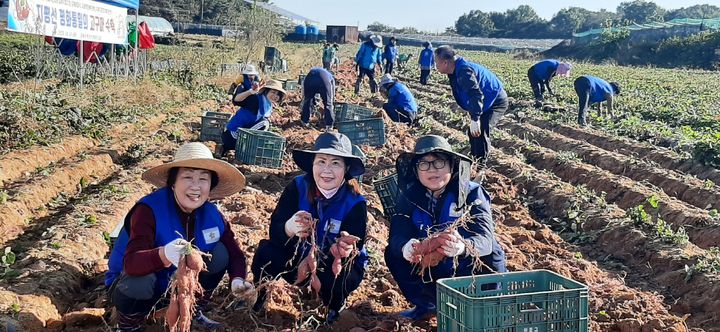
x: 275, y: 85
x: 250, y: 70
x: 334, y: 144
x: 197, y: 155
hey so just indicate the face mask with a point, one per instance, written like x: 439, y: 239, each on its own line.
x: 330, y: 193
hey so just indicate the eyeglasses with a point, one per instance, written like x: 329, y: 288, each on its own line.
x: 334, y: 165
x: 424, y: 165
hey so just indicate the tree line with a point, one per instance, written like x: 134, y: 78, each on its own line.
x: 524, y: 22
x: 221, y: 12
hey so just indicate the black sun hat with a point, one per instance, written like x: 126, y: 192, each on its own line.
x: 334, y: 144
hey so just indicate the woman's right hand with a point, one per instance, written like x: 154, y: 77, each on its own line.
x: 299, y: 224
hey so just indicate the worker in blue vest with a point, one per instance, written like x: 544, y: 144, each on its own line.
x: 590, y: 90
x: 426, y: 62
x: 435, y: 192
x: 390, y: 55
x: 479, y: 92
x: 401, y: 105
x: 255, y: 109
x: 162, y: 225
x: 249, y: 77
x: 329, y: 194
x: 541, y: 73
x: 318, y: 81
x: 366, y: 58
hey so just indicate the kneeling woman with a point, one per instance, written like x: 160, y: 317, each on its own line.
x: 161, y: 224
x: 328, y: 194
x: 254, y: 113
x: 435, y: 191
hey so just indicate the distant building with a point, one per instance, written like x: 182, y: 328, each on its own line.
x: 341, y: 34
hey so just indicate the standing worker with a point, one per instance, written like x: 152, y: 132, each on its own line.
x: 328, y: 57
x: 390, y: 55
x: 367, y: 56
x: 590, y: 90
x: 401, y: 105
x: 318, y: 81
x: 479, y: 92
x: 435, y: 195
x: 426, y: 62
x: 542, y: 72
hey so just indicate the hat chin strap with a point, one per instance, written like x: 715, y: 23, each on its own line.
x: 328, y: 194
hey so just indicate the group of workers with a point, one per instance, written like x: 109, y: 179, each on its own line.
x: 322, y: 216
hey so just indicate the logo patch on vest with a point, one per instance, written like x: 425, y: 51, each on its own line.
x: 454, y: 211
x: 333, y: 226
x: 211, y: 235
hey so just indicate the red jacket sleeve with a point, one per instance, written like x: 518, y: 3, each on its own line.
x: 141, y: 255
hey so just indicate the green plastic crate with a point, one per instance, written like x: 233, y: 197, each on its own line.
x: 213, y: 125
x: 356, y: 151
x: 387, y: 190
x: 367, y: 131
x: 533, y: 301
x: 350, y: 112
x: 262, y: 148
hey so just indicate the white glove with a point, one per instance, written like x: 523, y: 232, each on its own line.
x: 240, y: 286
x: 475, y: 128
x: 174, y: 250
x: 298, y: 223
x: 408, y: 249
x: 455, y: 246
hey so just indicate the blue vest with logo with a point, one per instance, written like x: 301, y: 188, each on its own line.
x: 330, y: 214
x: 598, y: 88
x: 400, y: 96
x: 542, y: 69
x: 427, y: 58
x: 246, y: 118
x: 489, y: 83
x: 209, y: 227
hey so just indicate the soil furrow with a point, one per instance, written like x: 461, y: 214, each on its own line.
x: 687, y: 189
x: 663, y: 157
x: 620, y: 190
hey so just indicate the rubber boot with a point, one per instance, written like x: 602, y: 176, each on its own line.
x: 358, y: 83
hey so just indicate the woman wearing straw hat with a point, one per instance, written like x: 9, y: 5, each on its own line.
x: 329, y: 194
x: 437, y: 200
x: 541, y: 73
x: 248, y: 78
x: 161, y: 224
x: 254, y: 113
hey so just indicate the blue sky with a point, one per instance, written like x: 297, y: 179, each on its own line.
x: 434, y: 15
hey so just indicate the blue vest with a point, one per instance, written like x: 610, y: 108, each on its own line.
x: 367, y: 56
x: 448, y: 215
x: 490, y: 85
x: 542, y: 69
x: 427, y: 58
x: 330, y: 215
x: 598, y: 88
x: 400, y: 95
x: 246, y: 118
x: 209, y: 228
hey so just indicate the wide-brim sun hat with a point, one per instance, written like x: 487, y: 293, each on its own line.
x: 250, y: 70
x: 197, y: 155
x: 386, y: 79
x: 334, y: 144
x: 563, y: 69
x: 377, y: 40
x: 273, y: 84
x: 430, y: 144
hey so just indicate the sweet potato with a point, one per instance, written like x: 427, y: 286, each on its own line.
x: 184, y: 288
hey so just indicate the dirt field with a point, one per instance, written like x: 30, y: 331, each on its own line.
x: 544, y: 179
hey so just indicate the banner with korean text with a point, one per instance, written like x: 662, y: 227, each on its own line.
x: 74, y: 19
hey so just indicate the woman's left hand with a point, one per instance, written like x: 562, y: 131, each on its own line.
x: 454, y: 244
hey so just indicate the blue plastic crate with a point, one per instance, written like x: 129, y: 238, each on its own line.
x: 387, y: 190
x: 367, y: 131
x: 533, y: 301
x: 213, y: 125
x: 350, y: 112
x: 262, y: 148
